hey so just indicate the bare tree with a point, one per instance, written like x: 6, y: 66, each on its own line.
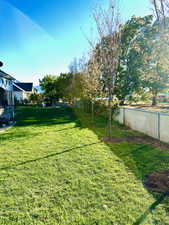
x: 74, y: 67
x: 161, y: 9
x: 92, y: 85
x: 107, y: 51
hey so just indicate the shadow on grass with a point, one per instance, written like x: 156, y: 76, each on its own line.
x: 144, y: 157
x: 13, y: 135
x: 35, y: 117
x: 140, y: 157
x: 152, y: 207
x: 19, y: 135
x: 38, y: 116
x: 47, y: 156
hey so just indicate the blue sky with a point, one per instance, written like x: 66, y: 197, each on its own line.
x: 40, y: 37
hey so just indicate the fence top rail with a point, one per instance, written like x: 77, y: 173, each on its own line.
x: 146, y: 111
x: 164, y: 114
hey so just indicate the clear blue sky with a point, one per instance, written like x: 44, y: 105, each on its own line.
x: 40, y: 37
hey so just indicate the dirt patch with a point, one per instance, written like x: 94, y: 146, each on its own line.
x: 138, y: 140
x: 147, y: 140
x: 158, y: 182
x: 113, y: 139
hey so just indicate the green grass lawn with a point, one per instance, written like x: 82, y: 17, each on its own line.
x: 54, y: 169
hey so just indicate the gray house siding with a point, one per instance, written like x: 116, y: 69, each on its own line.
x: 6, y: 97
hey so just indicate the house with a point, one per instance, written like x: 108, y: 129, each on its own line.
x: 22, y: 91
x: 6, y: 97
x: 163, y: 97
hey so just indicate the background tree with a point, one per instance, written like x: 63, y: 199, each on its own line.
x: 77, y: 87
x: 36, y: 98
x: 74, y: 66
x: 161, y: 11
x: 153, y: 51
x: 70, y: 86
x: 129, y: 79
x: 64, y: 82
x: 52, y: 92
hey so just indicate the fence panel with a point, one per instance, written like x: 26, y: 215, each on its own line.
x: 120, y: 116
x: 164, y: 127
x: 143, y: 121
x: 154, y: 124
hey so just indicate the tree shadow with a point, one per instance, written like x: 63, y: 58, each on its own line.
x: 151, y: 208
x: 9, y: 136
x: 38, y: 116
x: 141, y: 157
x: 47, y: 156
x: 145, y: 158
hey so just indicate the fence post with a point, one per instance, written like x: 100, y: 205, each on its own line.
x: 124, y: 118
x: 158, y: 118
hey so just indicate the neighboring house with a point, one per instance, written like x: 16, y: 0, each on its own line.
x: 22, y: 91
x: 6, y: 97
x: 164, y: 97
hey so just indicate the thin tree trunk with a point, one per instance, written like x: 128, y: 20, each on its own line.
x: 74, y: 101
x: 110, y: 115
x: 92, y: 111
x: 154, y: 100
x: 163, y: 13
x: 156, y: 10
x: 122, y: 102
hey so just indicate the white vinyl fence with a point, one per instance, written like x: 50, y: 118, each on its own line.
x: 154, y: 124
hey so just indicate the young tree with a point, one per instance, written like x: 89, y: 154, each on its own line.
x: 91, y: 78
x: 108, y: 50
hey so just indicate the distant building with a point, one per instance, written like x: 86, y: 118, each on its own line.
x: 163, y: 97
x: 22, y: 91
x: 6, y: 97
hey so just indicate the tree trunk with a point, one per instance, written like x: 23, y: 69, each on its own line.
x: 122, y: 102
x: 156, y: 10
x: 163, y: 13
x: 154, y: 100
x: 74, y: 101
x: 92, y: 111
x: 110, y: 116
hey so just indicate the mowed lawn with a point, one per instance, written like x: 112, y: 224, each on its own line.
x: 54, y: 169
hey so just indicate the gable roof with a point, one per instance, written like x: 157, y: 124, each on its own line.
x: 15, y: 88
x: 5, y: 75
x: 23, y: 87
